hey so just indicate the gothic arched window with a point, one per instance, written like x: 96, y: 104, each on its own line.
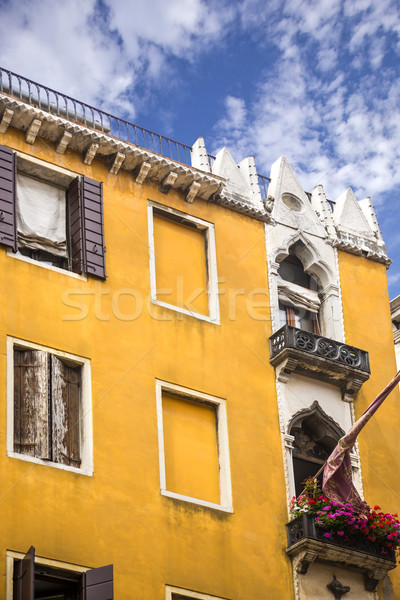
x: 298, y: 296
x: 315, y: 436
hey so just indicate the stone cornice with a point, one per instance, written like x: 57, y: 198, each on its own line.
x: 361, y: 247
x: 121, y: 155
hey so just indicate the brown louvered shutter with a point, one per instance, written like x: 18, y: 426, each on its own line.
x: 290, y: 316
x: 86, y: 227
x: 97, y: 584
x: 75, y: 225
x: 24, y: 577
x: 8, y: 227
x: 65, y: 408
x: 31, y: 403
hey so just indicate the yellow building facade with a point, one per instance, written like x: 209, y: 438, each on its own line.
x: 147, y: 421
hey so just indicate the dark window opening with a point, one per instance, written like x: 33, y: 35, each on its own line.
x: 35, y: 581
x: 297, y: 308
x: 291, y: 269
x: 315, y: 436
x: 44, y: 257
x: 299, y: 317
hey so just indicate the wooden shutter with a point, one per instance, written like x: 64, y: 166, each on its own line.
x: 97, y: 584
x: 65, y: 408
x: 31, y: 403
x: 24, y: 577
x: 8, y: 226
x: 86, y: 227
x: 290, y: 316
x: 75, y: 225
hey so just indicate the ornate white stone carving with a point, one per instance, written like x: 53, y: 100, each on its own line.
x: 199, y: 156
x: 63, y: 143
x: 357, y: 229
x: 370, y: 214
x: 117, y: 163
x: 249, y: 171
x: 225, y: 167
x: 297, y: 224
x: 349, y: 218
x: 192, y: 192
x: 321, y: 207
x: 90, y: 153
x: 143, y: 172
x: 32, y: 131
x: 299, y: 213
x: 168, y: 182
x: 241, y: 180
x: 6, y: 120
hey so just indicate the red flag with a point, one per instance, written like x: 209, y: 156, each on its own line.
x: 337, y: 482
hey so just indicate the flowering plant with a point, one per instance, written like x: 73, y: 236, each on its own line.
x: 340, y: 522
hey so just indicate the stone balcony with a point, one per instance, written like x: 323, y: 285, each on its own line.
x: 307, y: 545
x: 296, y: 350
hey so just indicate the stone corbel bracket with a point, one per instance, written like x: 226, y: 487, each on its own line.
x: 306, y: 551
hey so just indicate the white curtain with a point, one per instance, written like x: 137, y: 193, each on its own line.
x: 298, y: 296
x: 41, y: 216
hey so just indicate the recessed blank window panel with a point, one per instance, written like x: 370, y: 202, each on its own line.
x: 191, y: 448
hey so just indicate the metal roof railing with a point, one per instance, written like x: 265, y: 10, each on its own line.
x: 69, y: 108
x: 66, y: 107
x: 79, y: 112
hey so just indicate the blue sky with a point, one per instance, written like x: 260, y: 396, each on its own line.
x: 316, y: 81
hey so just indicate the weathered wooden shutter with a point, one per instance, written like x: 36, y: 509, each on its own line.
x: 31, y: 403
x: 86, y: 227
x: 65, y: 409
x: 290, y: 316
x: 8, y: 226
x: 24, y: 577
x: 97, y: 584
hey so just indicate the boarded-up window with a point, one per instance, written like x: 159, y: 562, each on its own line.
x: 191, y: 448
x: 180, y: 264
x: 47, y: 407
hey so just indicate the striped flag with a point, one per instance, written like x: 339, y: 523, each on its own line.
x: 337, y: 482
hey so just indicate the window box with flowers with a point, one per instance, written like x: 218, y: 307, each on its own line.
x: 327, y: 531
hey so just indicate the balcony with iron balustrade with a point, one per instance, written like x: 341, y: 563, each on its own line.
x: 296, y: 350
x: 306, y: 544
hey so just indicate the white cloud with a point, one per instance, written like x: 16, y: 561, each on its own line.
x: 99, y: 53
x: 342, y: 131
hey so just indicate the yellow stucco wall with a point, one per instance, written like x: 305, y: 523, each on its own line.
x: 118, y: 515
x: 367, y: 323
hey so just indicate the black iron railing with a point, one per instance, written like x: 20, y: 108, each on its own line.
x: 69, y: 108
x: 304, y: 527
x: 84, y: 114
x: 289, y: 337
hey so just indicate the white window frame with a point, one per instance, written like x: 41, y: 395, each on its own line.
x: 86, y: 446
x: 211, y: 262
x: 222, y: 444
x: 11, y: 556
x: 172, y: 591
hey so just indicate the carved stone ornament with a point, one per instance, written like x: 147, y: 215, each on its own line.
x: 337, y: 588
x: 306, y: 353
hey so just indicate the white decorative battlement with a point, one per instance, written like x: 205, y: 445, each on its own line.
x: 357, y: 228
